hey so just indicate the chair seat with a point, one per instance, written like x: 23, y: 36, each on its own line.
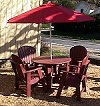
x: 34, y: 80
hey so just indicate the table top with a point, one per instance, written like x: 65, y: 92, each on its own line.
x: 56, y: 60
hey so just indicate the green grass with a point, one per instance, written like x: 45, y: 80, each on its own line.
x: 55, y: 53
x: 73, y: 34
x: 45, y: 25
x: 45, y: 51
x: 59, y: 53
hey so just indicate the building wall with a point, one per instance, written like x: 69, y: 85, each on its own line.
x: 12, y: 36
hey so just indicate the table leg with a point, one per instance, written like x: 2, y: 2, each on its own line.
x: 48, y: 72
x: 55, y: 73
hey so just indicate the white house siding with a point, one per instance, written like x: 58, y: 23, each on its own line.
x: 12, y: 36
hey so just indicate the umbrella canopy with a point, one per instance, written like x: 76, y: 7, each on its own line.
x: 50, y: 13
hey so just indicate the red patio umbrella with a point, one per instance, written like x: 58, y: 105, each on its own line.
x: 50, y: 13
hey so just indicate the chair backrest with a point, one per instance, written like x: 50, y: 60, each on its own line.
x: 18, y: 67
x: 27, y: 53
x: 77, y: 53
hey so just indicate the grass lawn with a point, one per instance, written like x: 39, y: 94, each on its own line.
x: 92, y: 35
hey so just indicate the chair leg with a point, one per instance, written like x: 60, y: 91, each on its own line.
x: 43, y: 82
x: 48, y: 77
x: 84, y: 85
x: 78, y: 94
x: 28, y: 90
x: 49, y: 81
x: 16, y: 83
x: 28, y: 84
x: 59, y: 90
x: 62, y: 83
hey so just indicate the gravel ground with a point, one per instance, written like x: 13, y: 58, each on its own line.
x: 8, y: 96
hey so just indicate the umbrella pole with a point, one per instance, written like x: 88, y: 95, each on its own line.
x: 50, y: 42
x: 38, y: 41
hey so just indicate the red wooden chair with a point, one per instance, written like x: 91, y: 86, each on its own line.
x: 30, y: 77
x: 75, y: 73
x: 27, y: 53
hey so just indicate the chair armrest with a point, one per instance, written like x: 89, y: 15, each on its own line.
x: 33, y: 70
x: 39, y: 70
x: 86, y: 62
x: 74, y: 66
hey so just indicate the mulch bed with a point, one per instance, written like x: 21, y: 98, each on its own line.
x: 8, y: 96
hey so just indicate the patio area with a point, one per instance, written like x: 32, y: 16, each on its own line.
x: 8, y: 96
